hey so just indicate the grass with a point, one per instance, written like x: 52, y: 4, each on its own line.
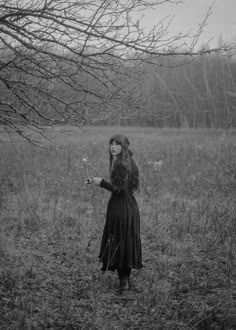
x: 51, y: 227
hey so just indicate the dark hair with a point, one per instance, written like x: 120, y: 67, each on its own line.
x: 124, y: 171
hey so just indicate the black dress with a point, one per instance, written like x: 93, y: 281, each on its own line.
x: 121, y: 243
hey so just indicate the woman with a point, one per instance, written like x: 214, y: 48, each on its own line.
x: 121, y: 245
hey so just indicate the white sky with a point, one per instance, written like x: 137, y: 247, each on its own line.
x: 189, y: 14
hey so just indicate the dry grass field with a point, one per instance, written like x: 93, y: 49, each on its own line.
x: 51, y: 225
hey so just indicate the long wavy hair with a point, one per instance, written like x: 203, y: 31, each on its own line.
x: 125, y: 161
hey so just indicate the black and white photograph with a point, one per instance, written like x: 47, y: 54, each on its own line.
x: 118, y: 164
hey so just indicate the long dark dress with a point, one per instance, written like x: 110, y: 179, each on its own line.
x: 121, y: 243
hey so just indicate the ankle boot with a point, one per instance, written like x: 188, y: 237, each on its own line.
x: 124, y: 284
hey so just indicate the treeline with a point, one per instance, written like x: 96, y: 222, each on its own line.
x: 187, y: 92
x: 167, y: 92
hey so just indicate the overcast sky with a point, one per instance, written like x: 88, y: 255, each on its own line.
x: 188, y: 15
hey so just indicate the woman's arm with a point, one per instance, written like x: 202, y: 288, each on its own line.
x: 107, y: 185
x: 102, y: 183
x: 118, y: 182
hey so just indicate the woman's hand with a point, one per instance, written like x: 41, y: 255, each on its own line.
x: 97, y: 180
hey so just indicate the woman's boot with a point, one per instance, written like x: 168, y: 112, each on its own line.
x: 124, y: 284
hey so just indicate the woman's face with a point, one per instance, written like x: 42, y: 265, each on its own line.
x: 115, y: 148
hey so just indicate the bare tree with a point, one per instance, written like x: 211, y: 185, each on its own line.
x: 77, y: 60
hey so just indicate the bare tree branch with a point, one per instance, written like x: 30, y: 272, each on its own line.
x: 78, y: 60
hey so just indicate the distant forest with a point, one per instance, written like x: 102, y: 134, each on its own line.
x: 175, y: 92
x: 199, y: 93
